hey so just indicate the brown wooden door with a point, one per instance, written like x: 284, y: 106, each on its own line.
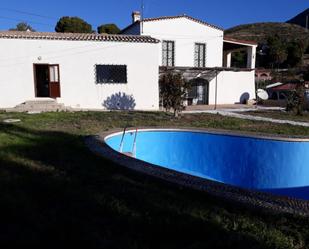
x: 54, y: 81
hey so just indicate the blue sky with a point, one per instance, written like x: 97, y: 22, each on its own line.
x: 224, y: 13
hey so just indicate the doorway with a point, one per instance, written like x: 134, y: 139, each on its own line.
x: 47, y: 81
x: 199, y: 92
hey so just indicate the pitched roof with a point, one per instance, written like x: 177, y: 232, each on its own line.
x: 182, y: 16
x: 75, y: 37
x: 173, y: 17
x: 128, y: 27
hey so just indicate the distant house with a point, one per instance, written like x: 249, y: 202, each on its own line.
x: 279, y: 92
x: 263, y: 75
x: 79, y: 70
x: 202, y: 54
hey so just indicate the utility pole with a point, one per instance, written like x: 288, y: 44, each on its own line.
x: 307, y: 22
x: 216, y: 89
x: 142, y: 16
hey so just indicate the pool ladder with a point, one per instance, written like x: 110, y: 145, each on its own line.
x: 133, y: 153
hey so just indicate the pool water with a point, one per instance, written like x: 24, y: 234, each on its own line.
x: 276, y: 166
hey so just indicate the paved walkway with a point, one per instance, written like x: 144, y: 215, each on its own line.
x: 235, y: 114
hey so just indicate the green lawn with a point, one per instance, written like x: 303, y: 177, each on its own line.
x: 55, y: 193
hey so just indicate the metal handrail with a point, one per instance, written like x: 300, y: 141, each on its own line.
x: 134, y: 145
x: 121, y: 143
x: 133, y: 153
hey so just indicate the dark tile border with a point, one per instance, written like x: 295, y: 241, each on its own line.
x: 249, y: 198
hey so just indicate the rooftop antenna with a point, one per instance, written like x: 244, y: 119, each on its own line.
x: 142, y: 15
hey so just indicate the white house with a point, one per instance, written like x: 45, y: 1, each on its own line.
x: 94, y: 71
x: 202, y: 53
x: 79, y: 70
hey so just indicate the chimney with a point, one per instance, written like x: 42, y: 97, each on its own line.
x: 136, y: 16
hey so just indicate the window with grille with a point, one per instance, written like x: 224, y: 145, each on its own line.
x: 168, y: 53
x: 200, y: 55
x: 111, y: 73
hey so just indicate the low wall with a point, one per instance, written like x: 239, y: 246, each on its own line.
x: 250, y: 198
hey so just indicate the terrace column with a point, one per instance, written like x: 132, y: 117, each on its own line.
x: 251, y: 52
x: 227, y: 59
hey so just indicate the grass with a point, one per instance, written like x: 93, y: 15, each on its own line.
x: 54, y: 192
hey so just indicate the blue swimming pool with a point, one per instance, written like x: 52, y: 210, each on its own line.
x: 271, y: 165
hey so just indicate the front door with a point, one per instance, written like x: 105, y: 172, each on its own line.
x: 47, y: 83
x: 54, y: 82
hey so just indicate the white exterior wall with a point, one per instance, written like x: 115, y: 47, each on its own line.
x: 232, y: 87
x: 185, y: 33
x: 77, y: 60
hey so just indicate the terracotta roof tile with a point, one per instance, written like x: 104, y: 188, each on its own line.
x: 75, y: 37
x: 285, y: 87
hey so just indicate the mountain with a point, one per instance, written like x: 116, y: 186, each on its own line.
x: 259, y: 32
x: 301, y: 19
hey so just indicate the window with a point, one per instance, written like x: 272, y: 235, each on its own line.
x: 200, y: 55
x: 168, y: 53
x: 111, y: 73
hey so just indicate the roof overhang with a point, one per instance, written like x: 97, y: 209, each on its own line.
x: 164, y: 18
x: 234, y: 44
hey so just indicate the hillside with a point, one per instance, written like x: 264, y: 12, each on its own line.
x: 260, y: 31
x: 301, y: 19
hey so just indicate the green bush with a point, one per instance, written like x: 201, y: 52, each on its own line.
x: 173, y: 91
x: 296, y: 100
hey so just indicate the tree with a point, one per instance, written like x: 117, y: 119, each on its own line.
x: 173, y: 90
x: 306, y: 75
x: 109, y: 28
x: 23, y: 26
x: 68, y: 24
x: 296, y: 100
x: 307, y: 50
x: 295, y: 52
x: 276, y: 51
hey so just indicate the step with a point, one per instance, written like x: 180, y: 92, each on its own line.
x: 41, y: 106
x: 44, y: 105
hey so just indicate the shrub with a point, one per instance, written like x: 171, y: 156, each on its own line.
x: 173, y: 91
x: 296, y: 99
